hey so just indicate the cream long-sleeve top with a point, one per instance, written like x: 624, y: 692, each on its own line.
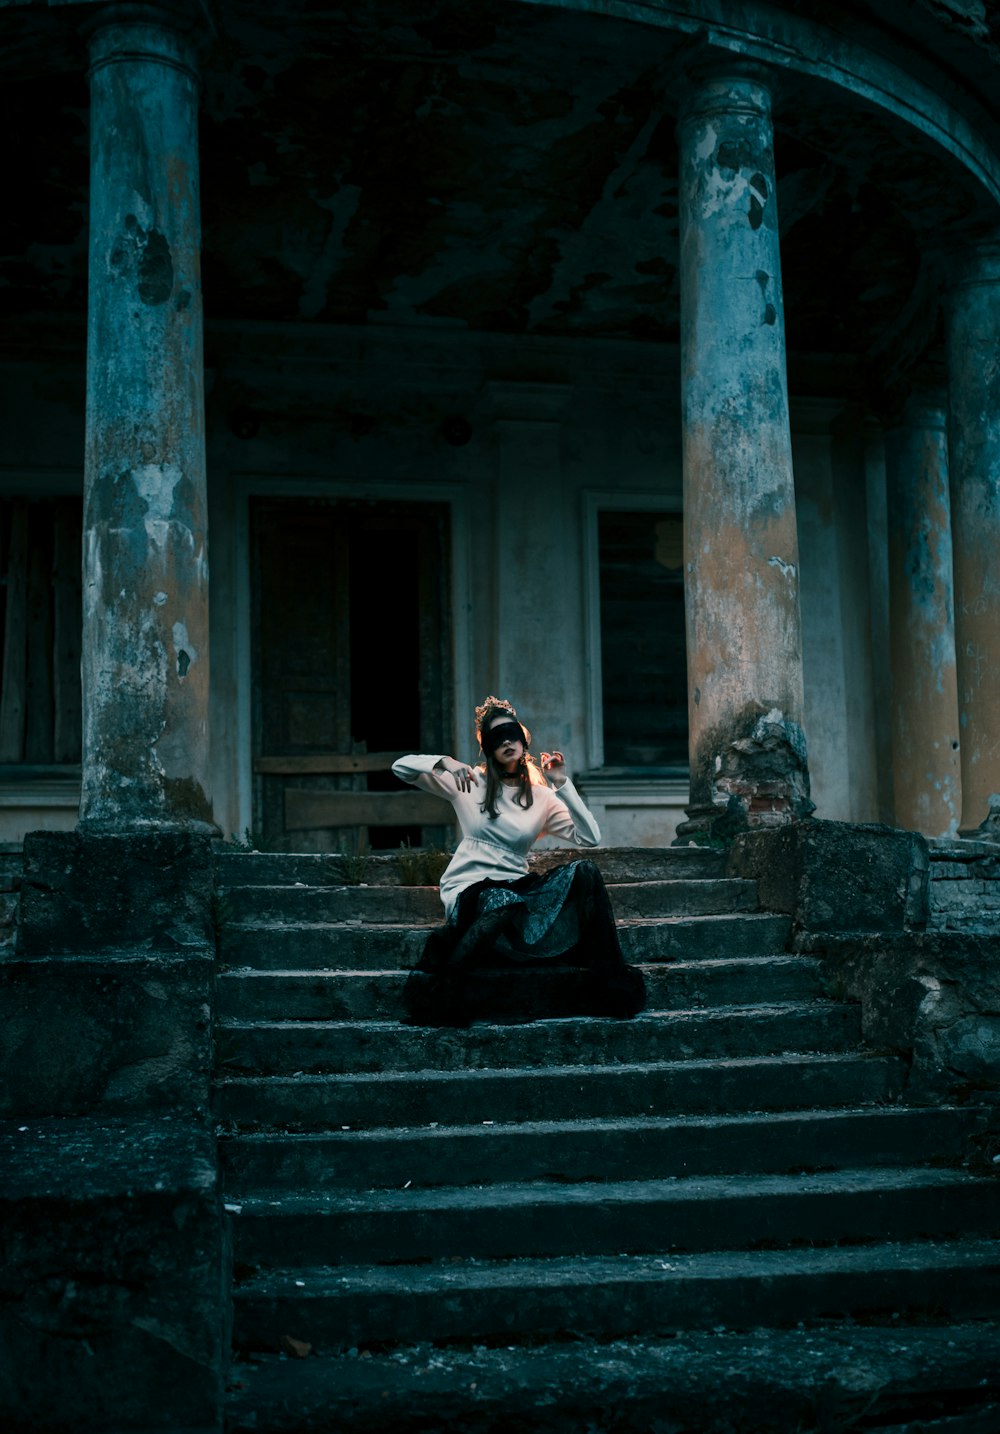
x: 497, y: 848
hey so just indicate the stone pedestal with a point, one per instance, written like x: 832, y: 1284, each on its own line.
x: 837, y: 876
x: 115, y: 1287
x: 974, y: 455
x: 748, y: 755
x: 145, y: 568
x: 114, y: 1281
x: 116, y: 1272
x: 924, y: 706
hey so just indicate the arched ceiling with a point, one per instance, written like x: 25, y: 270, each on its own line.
x: 502, y: 167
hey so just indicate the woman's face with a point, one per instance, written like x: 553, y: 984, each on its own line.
x: 510, y: 752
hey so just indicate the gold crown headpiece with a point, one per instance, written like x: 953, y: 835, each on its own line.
x: 481, y: 711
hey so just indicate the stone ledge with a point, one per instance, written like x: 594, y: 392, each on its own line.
x: 115, y: 1033
x: 199, y: 958
x: 838, y: 876
x: 961, y: 849
x: 825, y: 1377
x: 96, y: 892
x: 82, y: 1160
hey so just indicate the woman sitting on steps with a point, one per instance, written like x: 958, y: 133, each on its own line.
x: 495, y: 909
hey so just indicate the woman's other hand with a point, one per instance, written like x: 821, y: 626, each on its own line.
x: 466, y: 777
x: 554, y: 768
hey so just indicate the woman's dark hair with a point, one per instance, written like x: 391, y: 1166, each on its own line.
x: 526, y: 766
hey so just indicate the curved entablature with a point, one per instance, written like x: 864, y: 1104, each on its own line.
x: 767, y: 34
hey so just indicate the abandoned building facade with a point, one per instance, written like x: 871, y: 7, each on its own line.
x: 636, y: 362
x: 500, y: 371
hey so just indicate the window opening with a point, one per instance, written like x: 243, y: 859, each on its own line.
x: 41, y: 631
x: 643, y: 649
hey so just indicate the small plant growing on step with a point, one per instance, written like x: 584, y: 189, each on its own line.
x: 411, y: 865
x: 421, y: 866
x: 354, y: 865
x: 435, y: 861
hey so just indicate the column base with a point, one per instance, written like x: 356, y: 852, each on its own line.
x: 718, y: 826
x: 749, y: 772
x: 989, y: 829
x: 109, y: 826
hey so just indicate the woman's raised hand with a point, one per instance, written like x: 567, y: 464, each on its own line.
x: 554, y: 767
x: 466, y: 777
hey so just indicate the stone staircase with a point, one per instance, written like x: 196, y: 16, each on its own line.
x: 444, y: 1218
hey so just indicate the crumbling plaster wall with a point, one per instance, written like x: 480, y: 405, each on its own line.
x: 597, y: 416
x: 301, y: 393
x: 618, y: 432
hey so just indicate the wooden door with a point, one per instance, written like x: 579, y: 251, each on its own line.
x: 351, y: 667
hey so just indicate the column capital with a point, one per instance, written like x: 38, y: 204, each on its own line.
x: 921, y: 403
x: 975, y: 264
x: 724, y: 86
x: 157, y: 33
x: 926, y: 408
x: 716, y: 80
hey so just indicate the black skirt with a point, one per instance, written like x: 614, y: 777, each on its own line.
x: 563, y: 919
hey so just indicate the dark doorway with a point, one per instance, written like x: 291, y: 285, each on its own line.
x: 351, y: 666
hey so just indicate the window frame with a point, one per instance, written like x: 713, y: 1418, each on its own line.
x: 595, y: 502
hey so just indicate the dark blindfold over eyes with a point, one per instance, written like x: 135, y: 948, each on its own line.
x: 504, y: 732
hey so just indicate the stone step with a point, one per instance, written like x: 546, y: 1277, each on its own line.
x: 382, y: 947
x: 268, y: 905
x: 789, y: 1082
x: 700, y: 937
x: 340, y: 1047
x: 638, y: 863
x: 344, y: 1306
x: 370, y: 995
x: 636, y: 1148
x: 774, y: 1379
x: 551, y: 1218
x: 236, y: 868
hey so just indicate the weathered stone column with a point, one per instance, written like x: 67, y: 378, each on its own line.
x: 924, y: 706
x: 748, y: 754
x: 145, y: 630
x: 974, y: 457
